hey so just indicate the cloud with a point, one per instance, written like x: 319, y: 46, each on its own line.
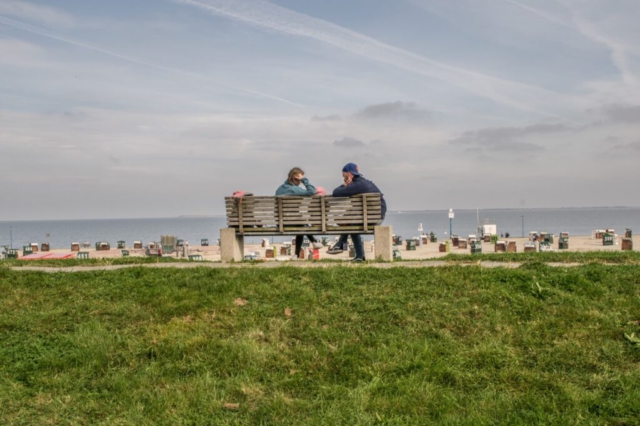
x: 630, y: 147
x: 19, y: 53
x: 114, y: 160
x: 623, y: 113
x: 484, y: 136
x: 348, y: 142
x: 334, y: 117
x: 506, y: 139
x: 264, y: 14
x: 42, y: 14
x: 392, y: 110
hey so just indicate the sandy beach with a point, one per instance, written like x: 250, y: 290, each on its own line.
x: 425, y: 251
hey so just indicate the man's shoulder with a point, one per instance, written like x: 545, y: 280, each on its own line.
x: 367, y: 185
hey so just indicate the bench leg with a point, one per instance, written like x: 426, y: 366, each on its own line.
x: 383, y: 243
x: 231, y: 245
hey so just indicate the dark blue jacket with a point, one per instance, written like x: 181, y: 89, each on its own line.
x: 360, y: 185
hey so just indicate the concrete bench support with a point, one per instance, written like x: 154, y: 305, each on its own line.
x: 231, y: 245
x: 382, y: 236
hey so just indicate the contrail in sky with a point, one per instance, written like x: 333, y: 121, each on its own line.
x: 54, y: 36
x: 542, y: 14
x: 618, y: 50
x: 267, y: 15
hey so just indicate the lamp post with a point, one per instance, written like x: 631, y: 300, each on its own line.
x: 451, y: 216
x: 11, y: 237
x: 522, y: 226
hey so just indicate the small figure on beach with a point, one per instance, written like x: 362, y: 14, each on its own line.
x: 292, y: 186
x: 354, y: 183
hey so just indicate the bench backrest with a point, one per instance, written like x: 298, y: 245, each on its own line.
x: 304, y: 215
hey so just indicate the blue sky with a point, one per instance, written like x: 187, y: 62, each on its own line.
x: 163, y: 107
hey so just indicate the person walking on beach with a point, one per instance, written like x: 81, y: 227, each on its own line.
x: 292, y: 186
x: 354, y: 183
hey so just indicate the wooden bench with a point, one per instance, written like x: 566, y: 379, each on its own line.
x: 289, y: 215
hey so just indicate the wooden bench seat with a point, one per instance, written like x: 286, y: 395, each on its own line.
x: 296, y: 215
x: 291, y: 215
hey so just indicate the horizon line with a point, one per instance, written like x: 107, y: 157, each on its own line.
x: 211, y: 216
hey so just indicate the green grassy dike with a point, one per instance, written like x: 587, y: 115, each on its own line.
x: 338, y: 345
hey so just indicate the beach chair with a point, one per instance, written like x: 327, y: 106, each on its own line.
x: 544, y: 246
x: 563, y: 243
x: 125, y: 253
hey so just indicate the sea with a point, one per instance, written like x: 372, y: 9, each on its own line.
x: 517, y: 222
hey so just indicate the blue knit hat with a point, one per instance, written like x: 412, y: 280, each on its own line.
x: 351, y: 168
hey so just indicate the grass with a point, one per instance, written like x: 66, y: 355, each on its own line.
x: 452, y: 345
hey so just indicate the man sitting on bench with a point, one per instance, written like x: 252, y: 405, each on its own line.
x: 354, y: 184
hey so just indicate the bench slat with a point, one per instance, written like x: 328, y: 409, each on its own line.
x: 300, y: 200
x: 274, y: 206
x: 306, y: 230
x: 272, y: 199
x: 297, y: 209
x: 301, y: 214
x: 275, y: 223
x: 371, y: 217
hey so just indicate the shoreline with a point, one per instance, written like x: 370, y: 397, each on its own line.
x: 426, y: 251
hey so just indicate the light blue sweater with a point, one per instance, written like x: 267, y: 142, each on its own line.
x: 287, y: 189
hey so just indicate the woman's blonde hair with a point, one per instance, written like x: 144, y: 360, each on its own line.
x: 293, y: 172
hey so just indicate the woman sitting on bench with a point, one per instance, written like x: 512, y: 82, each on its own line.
x: 292, y: 187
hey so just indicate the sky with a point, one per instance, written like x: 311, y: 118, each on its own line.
x: 160, y: 108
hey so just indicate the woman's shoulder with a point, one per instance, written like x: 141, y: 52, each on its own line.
x: 285, y: 189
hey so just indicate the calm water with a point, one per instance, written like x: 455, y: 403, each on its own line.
x: 575, y: 221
